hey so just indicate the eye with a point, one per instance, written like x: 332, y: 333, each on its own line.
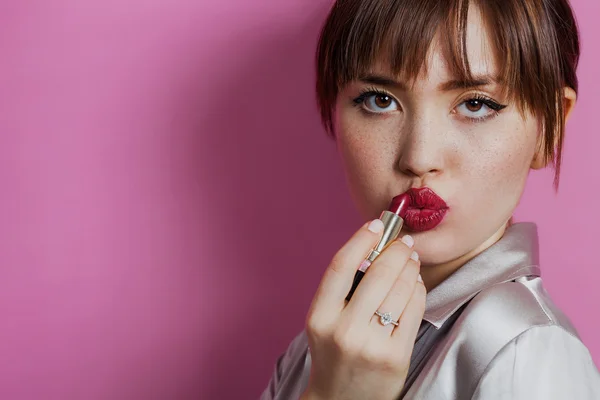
x: 376, y: 102
x: 479, y: 108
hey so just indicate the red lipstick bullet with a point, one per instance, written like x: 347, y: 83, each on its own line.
x: 400, y: 205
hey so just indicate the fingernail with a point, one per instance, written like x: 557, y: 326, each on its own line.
x: 414, y: 256
x: 408, y: 240
x: 419, y: 278
x: 376, y: 226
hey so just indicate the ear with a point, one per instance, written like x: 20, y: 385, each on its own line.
x: 539, y: 159
x: 569, y: 99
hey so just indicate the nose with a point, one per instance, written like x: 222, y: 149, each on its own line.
x: 421, y: 152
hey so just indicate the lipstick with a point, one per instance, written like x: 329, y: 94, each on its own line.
x: 392, y: 219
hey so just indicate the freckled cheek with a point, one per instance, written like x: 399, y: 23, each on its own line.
x: 368, y: 162
x: 367, y: 148
x: 499, y: 172
x: 366, y: 175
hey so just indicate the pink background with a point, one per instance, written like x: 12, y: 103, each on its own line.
x: 169, y: 199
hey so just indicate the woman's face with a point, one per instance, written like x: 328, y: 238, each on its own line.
x: 459, y: 142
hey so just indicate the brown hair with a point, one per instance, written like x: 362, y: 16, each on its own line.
x: 538, y: 40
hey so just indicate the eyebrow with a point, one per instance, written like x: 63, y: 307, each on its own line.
x: 477, y: 81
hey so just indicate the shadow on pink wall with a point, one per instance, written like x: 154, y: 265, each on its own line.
x: 279, y: 209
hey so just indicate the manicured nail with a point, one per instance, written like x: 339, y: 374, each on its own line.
x: 414, y: 256
x: 408, y: 240
x: 376, y: 226
x: 419, y: 278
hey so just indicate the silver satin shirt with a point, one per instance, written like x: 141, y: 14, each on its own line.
x: 490, y: 332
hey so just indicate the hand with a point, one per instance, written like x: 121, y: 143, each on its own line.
x: 353, y: 355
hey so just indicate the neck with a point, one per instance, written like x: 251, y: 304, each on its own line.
x: 434, y: 274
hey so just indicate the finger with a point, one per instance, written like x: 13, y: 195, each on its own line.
x: 339, y: 275
x: 410, y: 320
x: 379, y: 279
x: 399, y: 295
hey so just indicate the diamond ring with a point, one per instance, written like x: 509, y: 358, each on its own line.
x: 386, y: 318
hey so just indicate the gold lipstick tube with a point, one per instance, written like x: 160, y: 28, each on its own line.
x: 392, y: 224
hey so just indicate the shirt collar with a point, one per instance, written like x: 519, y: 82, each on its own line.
x: 512, y: 257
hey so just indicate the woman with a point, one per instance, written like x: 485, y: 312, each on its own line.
x: 453, y: 103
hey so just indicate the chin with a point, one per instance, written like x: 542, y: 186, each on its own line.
x: 434, y: 256
x: 437, y: 246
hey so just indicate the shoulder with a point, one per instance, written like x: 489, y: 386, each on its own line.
x: 519, y: 336
x: 508, y: 309
x: 543, y: 362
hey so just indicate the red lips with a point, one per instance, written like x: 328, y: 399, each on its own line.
x: 426, y: 210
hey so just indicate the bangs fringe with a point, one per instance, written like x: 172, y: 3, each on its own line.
x: 534, y: 61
